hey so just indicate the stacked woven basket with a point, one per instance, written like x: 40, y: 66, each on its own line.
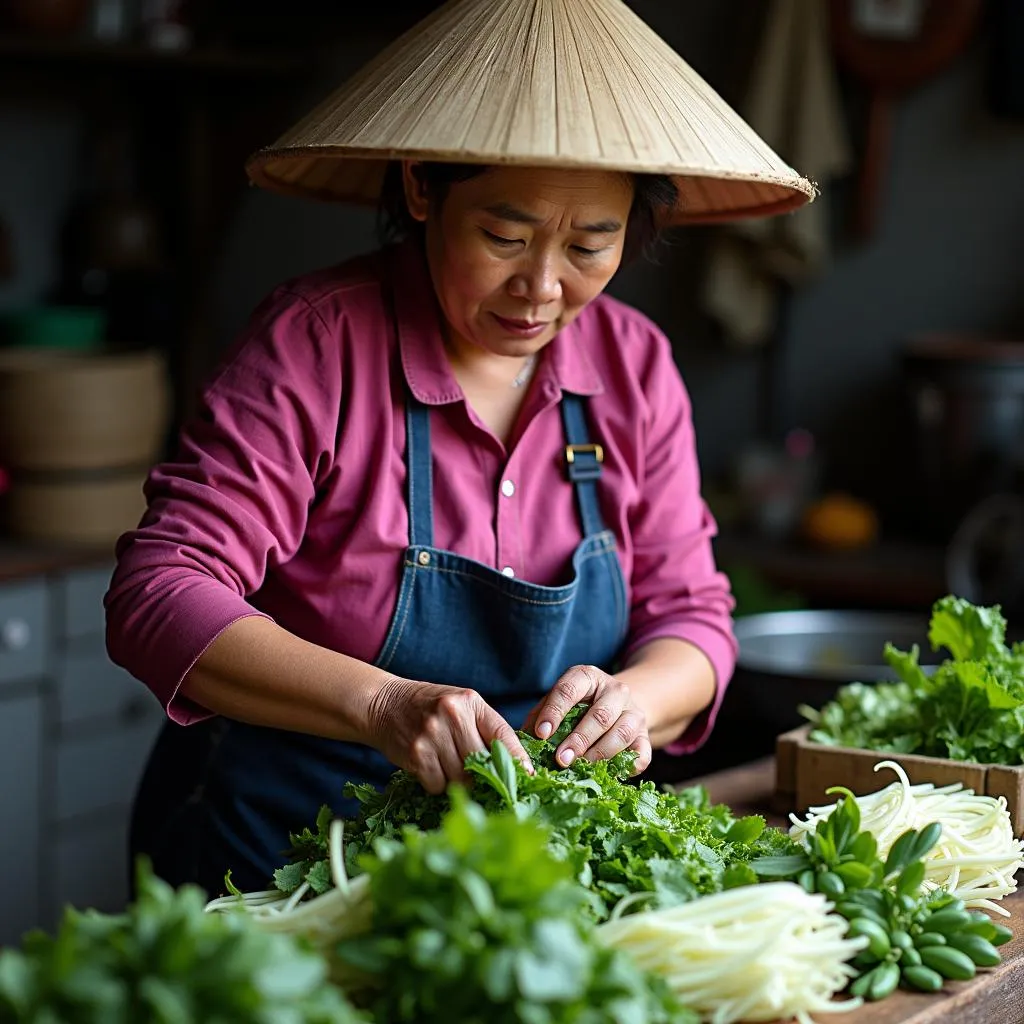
x: 78, y: 432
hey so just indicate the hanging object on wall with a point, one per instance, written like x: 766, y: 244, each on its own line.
x: 792, y: 101
x: 892, y: 46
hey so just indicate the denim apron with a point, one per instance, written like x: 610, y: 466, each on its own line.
x: 223, y: 794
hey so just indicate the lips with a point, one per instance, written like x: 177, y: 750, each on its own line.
x: 522, y: 328
x: 525, y: 325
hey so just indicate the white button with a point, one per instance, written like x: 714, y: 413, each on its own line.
x: 508, y: 488
x: 424, y: 558
x: 509, y: 571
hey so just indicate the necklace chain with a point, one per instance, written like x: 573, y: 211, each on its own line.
x: 524, y: 375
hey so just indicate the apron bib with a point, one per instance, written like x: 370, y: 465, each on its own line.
x: 222, y: 794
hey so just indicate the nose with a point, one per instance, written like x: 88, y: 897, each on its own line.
x: 538, y: 281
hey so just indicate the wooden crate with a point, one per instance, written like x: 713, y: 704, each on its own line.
x: 804, y: 770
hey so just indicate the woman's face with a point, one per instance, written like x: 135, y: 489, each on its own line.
x: 516, y: 253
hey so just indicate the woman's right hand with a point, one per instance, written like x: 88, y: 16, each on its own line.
x: 429, y: 730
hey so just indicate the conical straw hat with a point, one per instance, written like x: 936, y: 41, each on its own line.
x: 566, y: 83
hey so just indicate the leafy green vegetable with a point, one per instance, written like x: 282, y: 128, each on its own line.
x: 482, y: 923
x: 617, y: 837
x: 165, y: 961
x: 968, y: 632
x: 971, y: 708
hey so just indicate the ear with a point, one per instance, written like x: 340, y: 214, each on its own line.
x: 415, y: 189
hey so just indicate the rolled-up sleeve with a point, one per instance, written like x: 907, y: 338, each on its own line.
x: 233, y: 501
x: 677, y: 590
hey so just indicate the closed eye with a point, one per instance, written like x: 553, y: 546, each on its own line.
x: 583, y: 251
x: 499, y: 239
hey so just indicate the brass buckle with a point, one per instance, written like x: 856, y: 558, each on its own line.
x: 594, y: 449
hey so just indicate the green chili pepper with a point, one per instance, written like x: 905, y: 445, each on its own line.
x: 923, y: 978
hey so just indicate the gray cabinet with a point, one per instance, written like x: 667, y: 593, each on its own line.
x: 75, y: 731
x: 24, y: 632
x: 21, y: 791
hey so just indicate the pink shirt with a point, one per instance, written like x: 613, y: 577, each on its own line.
x: 287, y: 495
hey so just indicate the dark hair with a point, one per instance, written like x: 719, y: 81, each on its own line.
x: 653, y: 196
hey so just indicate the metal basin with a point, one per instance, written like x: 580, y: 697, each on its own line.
x: 791, y: 658
x: 826, y: 647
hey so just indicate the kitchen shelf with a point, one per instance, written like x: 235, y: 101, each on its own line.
x: 212, y: 61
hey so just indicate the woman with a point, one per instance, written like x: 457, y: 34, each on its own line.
x: 436, y: 493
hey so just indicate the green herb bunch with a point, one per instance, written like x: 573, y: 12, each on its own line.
x: 910, y: 937
x: 165, y: 961
x: 617, y: 837
x: 971, y: 708
x: 483, y: 924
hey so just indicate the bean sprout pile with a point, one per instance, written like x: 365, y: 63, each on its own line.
x: 976, y: 856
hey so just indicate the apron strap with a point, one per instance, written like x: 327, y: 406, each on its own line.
x: 418, y: 471
x: 583, y: 463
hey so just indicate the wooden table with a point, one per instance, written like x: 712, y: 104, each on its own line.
x: 995, y: 996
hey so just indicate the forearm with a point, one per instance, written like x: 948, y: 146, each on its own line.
x: 672, y: 681
x: 259, y: 673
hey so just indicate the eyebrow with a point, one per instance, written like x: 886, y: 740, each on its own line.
x: 506, y: 211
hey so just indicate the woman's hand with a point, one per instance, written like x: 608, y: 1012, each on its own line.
x: 613, y: 722
x: 430, y: 730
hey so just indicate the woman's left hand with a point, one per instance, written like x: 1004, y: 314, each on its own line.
x: 612, y: 723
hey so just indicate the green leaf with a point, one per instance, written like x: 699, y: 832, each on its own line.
x: 507, y: 769
x: 926, y: 839
x: 498, y: 974
x: 490, y: 770
x: 900, y: 852
x: 568, y: 724
x: 291, y: 876
x: 323, y: 820
x: 15, y: 980
x: 167, y: 1003
x: 556, y: 967
x: 674, y: 882
x: 910, y: 879
x: 852, y: 809
x: 823, y: 847
x: 479, y: 893
x: 745, y: 830
x: 778, y: 868
x: 978, y: 676
x: 865, y: 848
x: 319, y: 877
x: 426, y: 945
x: 854, y: 874
x: 906, y: 665
x: 968, y: 632
x: 842, y: 827
x: 737, y: 875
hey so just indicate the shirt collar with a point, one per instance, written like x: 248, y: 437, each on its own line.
x: 428, y: 373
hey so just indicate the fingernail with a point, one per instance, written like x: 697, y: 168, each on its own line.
x: 567, y: 757
x: 544, y: 730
